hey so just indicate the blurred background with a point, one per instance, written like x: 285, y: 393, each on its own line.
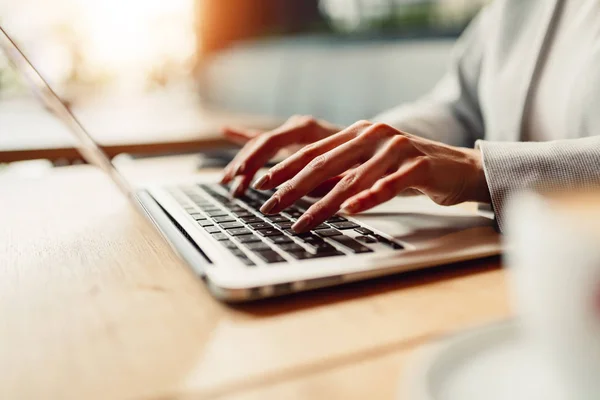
x: 155, y: 70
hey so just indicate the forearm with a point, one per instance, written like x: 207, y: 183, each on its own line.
x: 549, y: 166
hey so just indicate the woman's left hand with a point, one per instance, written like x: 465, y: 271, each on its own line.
x: 378, y: 162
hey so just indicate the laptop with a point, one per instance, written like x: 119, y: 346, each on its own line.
x: 244, y: 255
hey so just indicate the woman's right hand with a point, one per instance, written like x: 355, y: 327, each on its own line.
x: 260, y: 147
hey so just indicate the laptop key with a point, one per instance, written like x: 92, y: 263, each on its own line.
x: 291, y: 247
x: 239, y: 232
x: 220, y: 236
x: 212, y: 229
x: 269, y: 232
x: 293, y: 213
x: 321, y: 226
x: 246, y: 261
x: 242, y: 213
x: 363, y: 231
x: 280, y: 239
x: 310, y: 238
x: 251, y: 219
x: 344, y: 225
x: 260, y: 225
x: 231, y: 225
x: 238, y: 253
x: 248, y: 238
x: 304, y: 255
x: 270, y: 256
x: 258, y: 246
x: 197, y: 216
x: 227, y: 218
x: 350, y: 244
x: 284, y: 225
x: 218, y: 213
x: 300, y: 235
x: 387, y: 242
x: 228, y: 244
x: 335, y: 218
x: 204, y: 223
x: 328, y: 232
x: 366, y: 239
x: 321, y: 247
x: 277, y: 218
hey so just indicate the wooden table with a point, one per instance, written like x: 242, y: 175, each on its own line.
x: 95, y: 305
x: 160, y: 123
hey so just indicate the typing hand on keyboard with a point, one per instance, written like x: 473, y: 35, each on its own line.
x: 377, y: 162
x: 254, y: 237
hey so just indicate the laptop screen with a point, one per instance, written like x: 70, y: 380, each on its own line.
x: 89, y: 149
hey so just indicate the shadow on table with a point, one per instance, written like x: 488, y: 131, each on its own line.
x: 371, y: 287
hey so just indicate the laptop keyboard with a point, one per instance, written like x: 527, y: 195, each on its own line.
x: 239, y: 226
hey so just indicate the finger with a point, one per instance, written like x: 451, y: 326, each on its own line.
x: 231, y: 169
x: 318, y: 170
x: 298, y: 130
x: 240, y: 185
x: 365, y: 141
x: 238, y: 135
x: 409, y: 176
x: 326, y: 186
x: 292, y: 165
x: 354, y: 182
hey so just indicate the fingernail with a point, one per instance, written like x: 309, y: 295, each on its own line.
x: 269, y: 205
x: 240, y: 168
x: 349, y: 206
x: 263, y: 180
x: 235, y: 188
x: 302, y: 223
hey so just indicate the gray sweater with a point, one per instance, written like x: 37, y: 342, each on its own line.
x: 486, y: 100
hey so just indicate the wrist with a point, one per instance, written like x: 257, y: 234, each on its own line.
x: 479, y: 190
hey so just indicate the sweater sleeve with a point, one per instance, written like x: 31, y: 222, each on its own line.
x: 559, y: 165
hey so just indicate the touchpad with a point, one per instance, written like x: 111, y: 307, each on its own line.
x: 417, y: 219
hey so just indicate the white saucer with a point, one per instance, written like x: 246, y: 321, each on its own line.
x: 492, y: 363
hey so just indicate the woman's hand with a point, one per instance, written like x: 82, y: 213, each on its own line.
x: 260, y: 147
x: 378, y: 162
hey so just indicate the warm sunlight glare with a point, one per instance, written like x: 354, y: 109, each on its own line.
x: 83, y: 42
x: 134, y: 34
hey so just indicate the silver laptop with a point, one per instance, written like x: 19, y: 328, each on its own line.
x: 245, y: 255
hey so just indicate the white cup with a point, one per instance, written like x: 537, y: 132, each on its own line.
x: 554, y: 271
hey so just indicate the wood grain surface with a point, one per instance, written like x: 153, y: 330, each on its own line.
x: 95, y: 305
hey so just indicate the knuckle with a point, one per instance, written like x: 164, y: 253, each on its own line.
x: 308, y: 121
x: 287, y: 189
x: 398, y: 142
x: 308, y: 152
x: 294, y: 118
x: 303, y: 120
x: 376, y: 130
x: 361, y: 125
x: 351, y: 181
x: 318, y: 162
x: 380, y: 126
x: 423, y: 164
